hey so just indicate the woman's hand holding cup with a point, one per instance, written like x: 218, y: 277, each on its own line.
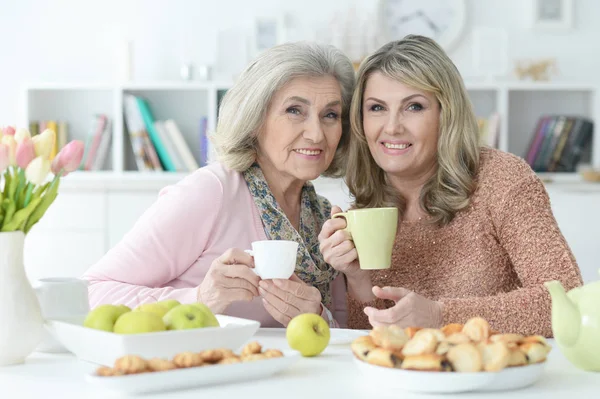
x: 229, y: 279
x: 337, y: 247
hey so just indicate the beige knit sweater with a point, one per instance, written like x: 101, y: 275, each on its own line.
x: 491, y: 260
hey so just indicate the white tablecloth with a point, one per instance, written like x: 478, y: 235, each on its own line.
x: 330, y: 375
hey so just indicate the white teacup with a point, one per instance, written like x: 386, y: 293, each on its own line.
x: 60, y: 298
x: 274, y: 258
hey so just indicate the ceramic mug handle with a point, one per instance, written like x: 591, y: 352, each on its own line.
x: 345, y: 216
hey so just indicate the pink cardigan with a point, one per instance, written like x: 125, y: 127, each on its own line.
x: 171, y: 247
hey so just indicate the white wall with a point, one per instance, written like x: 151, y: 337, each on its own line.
x: 76, y: 40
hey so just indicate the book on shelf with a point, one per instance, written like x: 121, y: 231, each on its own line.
x: 158, y: 145
x: 558, y: 142
x: 97, y: 144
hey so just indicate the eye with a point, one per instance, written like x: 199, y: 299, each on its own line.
x: 415, y: 107
x: 376, y: 108
x: 332, y: 115
x: 293, y: 110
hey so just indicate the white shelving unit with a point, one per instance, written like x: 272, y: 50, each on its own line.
x: 519, y: 105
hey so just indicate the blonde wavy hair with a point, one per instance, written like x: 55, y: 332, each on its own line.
x: 421, y: 63
x: 244, y: 107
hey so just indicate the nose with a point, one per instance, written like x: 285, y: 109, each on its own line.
x: 393, y: 125
x: 313, y: 130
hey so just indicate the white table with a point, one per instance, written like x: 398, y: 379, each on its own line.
x: 330, y: 375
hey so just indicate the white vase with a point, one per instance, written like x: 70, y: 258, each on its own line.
x: 21, y: 322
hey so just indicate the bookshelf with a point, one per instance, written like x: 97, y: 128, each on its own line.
x: 518, y: 104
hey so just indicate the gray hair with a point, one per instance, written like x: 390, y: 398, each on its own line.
x: 244, y: 107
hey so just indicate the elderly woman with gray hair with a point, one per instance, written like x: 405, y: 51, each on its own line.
x: 283, y: 123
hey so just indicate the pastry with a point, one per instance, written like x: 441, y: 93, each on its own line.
x: 382, y: 357
x: 422, y: 343
x: 452, y: 328
x: 158, y: 364
x: 427, y: 362
x: 517, y: 358
x: 411, y: 331
x: 271, y: 353
x: 130, y: 364
x: 251, y: 349
x: 439, y: 335
x: 477, y: 329
x: 389, y: 337
x: 188, y: 359
x: 215, y: 355
x: 465, y: 358
x: 507, y: 338
x: 457, y: 338
x: 108, y: 372
x: 538, y: 339
x: 495, y: 356
x: 361, y: 346
x: 253, y: 357
x: 229, y: 360
x: 535, y: 352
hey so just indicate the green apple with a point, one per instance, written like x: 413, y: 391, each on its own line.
x: 189, y: 316
x: 308, y: 333
x: 157, y: 308
x: 103, y: 317
x: 169, y: 303
x: 139, y: 322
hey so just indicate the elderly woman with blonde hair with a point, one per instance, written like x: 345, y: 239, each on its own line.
x: 282, y: 124
x: 476, y: 234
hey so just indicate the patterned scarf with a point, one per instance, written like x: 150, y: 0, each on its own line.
x: 314, y: 211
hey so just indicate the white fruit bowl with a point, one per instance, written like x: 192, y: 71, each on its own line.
x: 104, y: 348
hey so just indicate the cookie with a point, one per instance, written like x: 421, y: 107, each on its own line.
x: 438, y: 334
x: 507, y: 338
x: 465, y: 358
x: 158, y: 364
x: 424, y: 342
x: 443, y: 348
x: 517, y: 358
x: 535, y: 352
x: 427, y: 362
x: 452, y: 328
x: 477, y: 329
x: 411, y: 331
x: 495, y: 356
x: 212, y: 355
x: 252, y: 357
x: 131, y: 364
x: 389, y: 337
x: 457, y: 338
x: 361, y: 346
x: 251, y: 349
x: 229, y: 360
x: 382, y: 357
x: 188, y: 359
x: 108, y: 372
x: 271, y: 353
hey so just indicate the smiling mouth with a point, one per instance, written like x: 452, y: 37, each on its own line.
x: 308, y: 152
x: 396, y: 146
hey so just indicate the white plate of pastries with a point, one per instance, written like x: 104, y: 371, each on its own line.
x: 455, y: 358
x: 133, y: 374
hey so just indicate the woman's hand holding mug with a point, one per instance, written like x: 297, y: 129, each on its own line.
x: 337, y: 247
x: 229, y: 279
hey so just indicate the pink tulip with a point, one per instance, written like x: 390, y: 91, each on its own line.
x: 69, y: 158
x: 25, y: 153
x: 4, y: 157
x: 9, y: 131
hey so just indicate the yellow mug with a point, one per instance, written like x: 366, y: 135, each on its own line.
x: 373, y: 231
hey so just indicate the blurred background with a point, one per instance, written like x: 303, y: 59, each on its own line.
x: 140, y: 83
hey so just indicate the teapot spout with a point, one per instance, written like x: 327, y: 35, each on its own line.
x: 566, y: 319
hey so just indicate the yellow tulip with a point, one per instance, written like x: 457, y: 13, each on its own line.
x: 43, y: 143
x: 38, y: 170
x: 21, y: 134
x: 12, y: 149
